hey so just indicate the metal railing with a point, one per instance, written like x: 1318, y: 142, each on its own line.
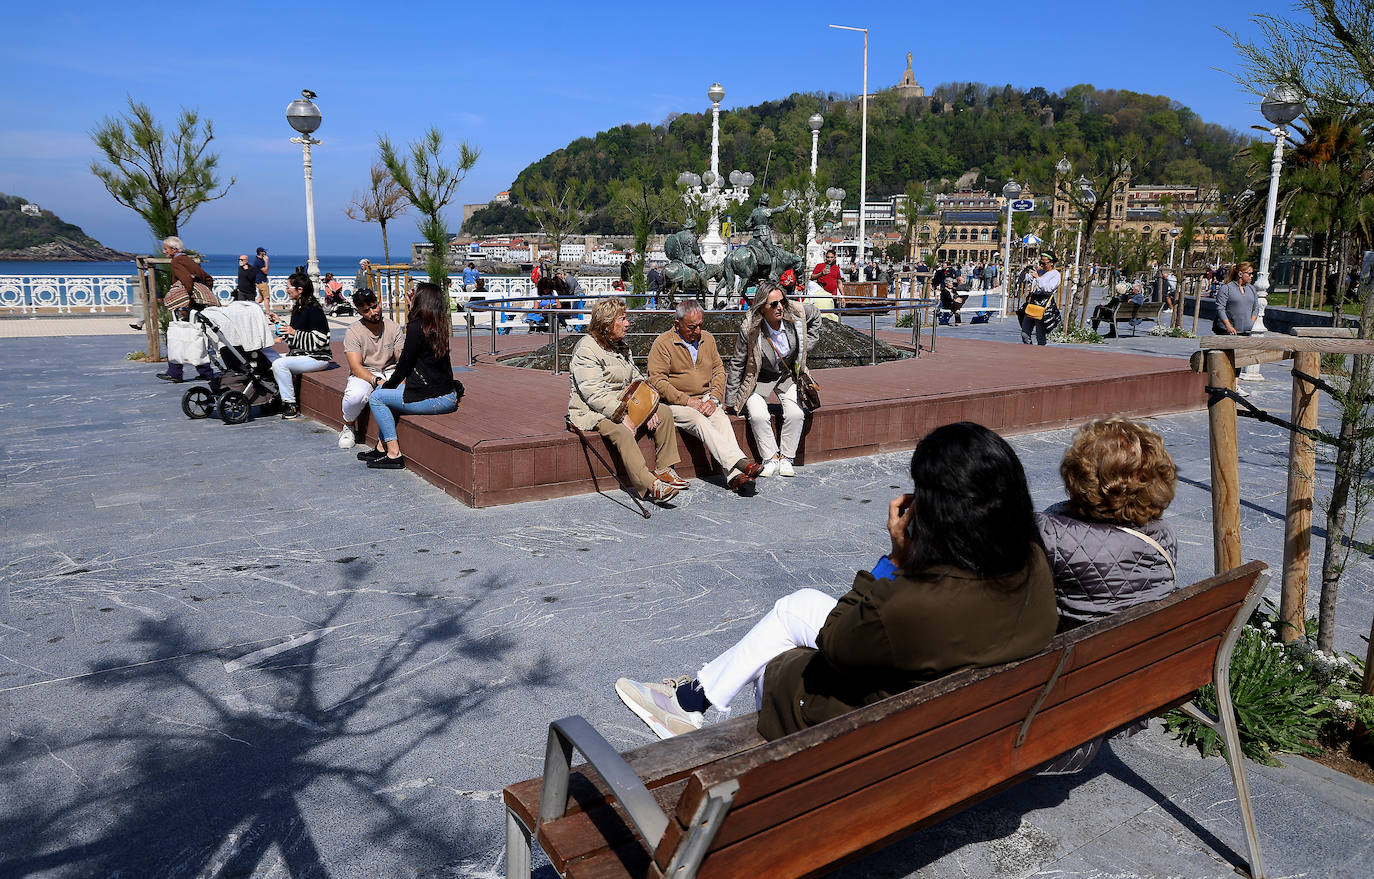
x: 504, y: 306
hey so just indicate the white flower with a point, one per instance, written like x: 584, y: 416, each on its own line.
x: 1297, y: 667
x: 1343, y: 706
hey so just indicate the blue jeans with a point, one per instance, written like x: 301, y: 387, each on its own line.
x: 385, y: 402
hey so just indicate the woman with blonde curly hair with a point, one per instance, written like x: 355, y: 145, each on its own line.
x: 601, y: 368
x: 1107, y: 544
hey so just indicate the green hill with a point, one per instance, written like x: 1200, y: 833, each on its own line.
x: 1001, y: 132
x: 45, y: 236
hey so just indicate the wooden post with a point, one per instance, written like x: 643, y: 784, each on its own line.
x: 152, y: 316
x: 1221, y: 373
x: 1297, y: 532
x: 1197, y: 304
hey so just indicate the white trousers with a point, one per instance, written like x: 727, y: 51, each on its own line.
x: 285, y: 366
x: 794, y: 621
x: 761, y: 424
x: 715, y: 432
x: 355, y: 397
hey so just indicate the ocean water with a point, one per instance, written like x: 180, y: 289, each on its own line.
x: 226, y: 264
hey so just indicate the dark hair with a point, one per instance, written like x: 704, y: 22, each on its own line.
x: 307, y: 298
x: 364, y: 298
x: 429, y: 306
x: 971, y: 506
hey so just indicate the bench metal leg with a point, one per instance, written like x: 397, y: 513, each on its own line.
x: 1225, y: 724
x: 517, y: 848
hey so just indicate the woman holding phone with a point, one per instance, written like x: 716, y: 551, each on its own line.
x: 968, y: 586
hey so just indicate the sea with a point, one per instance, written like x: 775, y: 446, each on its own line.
x: 219, y: 264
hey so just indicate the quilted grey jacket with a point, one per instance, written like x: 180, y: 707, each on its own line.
x: 1100, y: 569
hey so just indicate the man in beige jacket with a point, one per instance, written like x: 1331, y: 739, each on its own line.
x: 686, y: 369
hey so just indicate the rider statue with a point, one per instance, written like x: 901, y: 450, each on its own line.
x: 766, y: 252
x: 684, y: 247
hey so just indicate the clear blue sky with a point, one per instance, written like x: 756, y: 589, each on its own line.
x: 518, y: 80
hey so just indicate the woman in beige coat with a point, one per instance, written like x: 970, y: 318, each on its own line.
x: 770, y: 349
x: 601, y: 369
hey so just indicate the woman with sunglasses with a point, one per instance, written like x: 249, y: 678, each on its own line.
x: 1041, y: 299
x: 1237, y: 302
x: 770, y: 352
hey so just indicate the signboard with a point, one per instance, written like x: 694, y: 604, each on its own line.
x: 1023, y: 204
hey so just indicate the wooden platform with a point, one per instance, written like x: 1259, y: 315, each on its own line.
x: 507, y: 442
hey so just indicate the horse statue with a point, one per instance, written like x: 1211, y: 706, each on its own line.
x: 741, y: 270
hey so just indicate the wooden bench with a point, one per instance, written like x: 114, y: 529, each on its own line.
x: 1131, y: 312
x: 721, y: 802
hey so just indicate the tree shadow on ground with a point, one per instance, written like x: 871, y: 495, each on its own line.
x: 203, y: 776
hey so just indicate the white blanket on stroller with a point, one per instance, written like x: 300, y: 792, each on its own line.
x: 242, y: 324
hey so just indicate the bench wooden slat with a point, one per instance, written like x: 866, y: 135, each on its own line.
x: 830, y: 793
x: 833, y: 780
x: 826, y: 835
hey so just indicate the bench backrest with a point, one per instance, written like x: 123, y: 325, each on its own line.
x: 825, y: 794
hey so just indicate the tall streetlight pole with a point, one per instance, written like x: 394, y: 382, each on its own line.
x: 1010, y: 191
x: 863, y: 145
x: 1282, y: 105
x: 816, y: 121
x: 713, y: 246
x: 304, y: 116
x: 1173, y: 239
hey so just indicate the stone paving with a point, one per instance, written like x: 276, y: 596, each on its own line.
x: 233, y: 651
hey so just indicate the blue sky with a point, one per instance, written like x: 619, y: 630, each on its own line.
x: 518, y: 81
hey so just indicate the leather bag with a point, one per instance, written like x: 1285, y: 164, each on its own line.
x: 808, y: 391
x: 1034, y: 312
x: 638, y: 401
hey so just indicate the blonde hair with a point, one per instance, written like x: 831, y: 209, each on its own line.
x: 1117, y: 470
x: 1234, y: 274
x: 604, y: 313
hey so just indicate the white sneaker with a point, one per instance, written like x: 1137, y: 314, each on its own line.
x: 346, y: 438
x: 770, y: 468
x: 657, y: 706
x: 785, y: 467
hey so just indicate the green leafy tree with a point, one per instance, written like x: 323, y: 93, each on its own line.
x: 646, y: 204
x: 383, y: 202
x: 162, y: 178
x: 429, y: 185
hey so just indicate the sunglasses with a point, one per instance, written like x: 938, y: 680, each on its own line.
x: 779, y: 303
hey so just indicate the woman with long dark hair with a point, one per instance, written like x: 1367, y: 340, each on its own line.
x: 423, y: 383
x: 966, y: 585
x: 307, y: 341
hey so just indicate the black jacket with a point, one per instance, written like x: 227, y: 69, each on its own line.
x: 425, y: 376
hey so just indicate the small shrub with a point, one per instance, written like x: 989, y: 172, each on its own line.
x: 1076, y: 334
x: 1172, y: 332
x: 136, y: 355
x: 906, y: 320
x: 1285, y: 696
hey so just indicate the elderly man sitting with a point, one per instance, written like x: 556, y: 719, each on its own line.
x: 686, y: 369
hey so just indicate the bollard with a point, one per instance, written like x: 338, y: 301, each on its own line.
x: 553, y: 319
x: 872, y: 336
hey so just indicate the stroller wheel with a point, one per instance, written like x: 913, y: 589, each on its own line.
x: 197, y: 402
x: 234, y: 407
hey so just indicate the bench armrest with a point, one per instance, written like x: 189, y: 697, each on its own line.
x: 634, y: 797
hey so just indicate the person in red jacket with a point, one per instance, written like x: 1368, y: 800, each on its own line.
x: 828, y: 275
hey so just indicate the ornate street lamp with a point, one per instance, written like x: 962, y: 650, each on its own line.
x: 1281, y: 106
x: 1010, y: 192
x: 1173, y: 239
x: 1088, y: 198
x: 812, y: 248
x: 304, y: 116
x: 708, y: 192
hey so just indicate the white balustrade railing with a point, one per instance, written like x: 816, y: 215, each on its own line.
x: 97, y: 294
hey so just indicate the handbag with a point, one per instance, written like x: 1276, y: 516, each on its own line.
x: 638, y: 402
x: 177, y: 297
x: 1033, y: 311
x: 203, y: 295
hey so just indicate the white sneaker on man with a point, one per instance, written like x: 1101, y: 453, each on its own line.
x: 785, y: 467
x: 346, y: 438
x: 770, y: 468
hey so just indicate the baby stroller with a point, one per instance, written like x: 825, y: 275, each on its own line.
x: 237, y: 334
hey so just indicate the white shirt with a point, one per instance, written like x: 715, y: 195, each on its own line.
x: 1048, y: 282
x: 780, y: 339
x: 692, y: 348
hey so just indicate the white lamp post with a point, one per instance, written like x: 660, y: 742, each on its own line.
x: 1088, y: 198
x: 812, y: 248
x: 708, y: 192
x: 305, y: 117
x: 863, y: 145
x: 1010, y: 191
x: 1173, y: 239
x: 1282, y: 105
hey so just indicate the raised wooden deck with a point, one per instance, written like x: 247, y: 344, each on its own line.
x: 507, y: 442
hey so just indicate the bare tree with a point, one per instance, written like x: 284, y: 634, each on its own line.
x: 162, y: 179
x: 383, y: 202
x: 557, y: 209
